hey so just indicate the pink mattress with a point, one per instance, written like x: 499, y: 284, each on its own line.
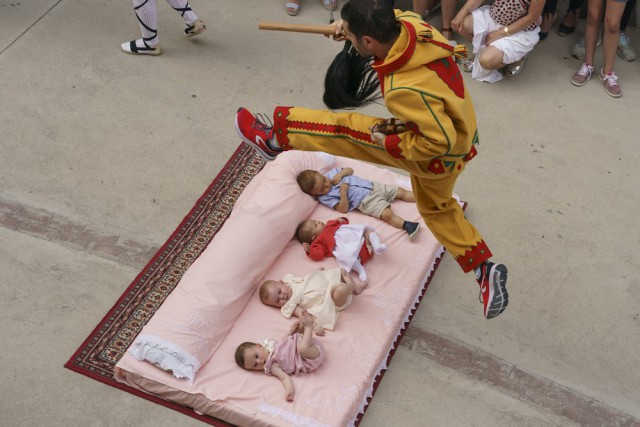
x: 357, y: 351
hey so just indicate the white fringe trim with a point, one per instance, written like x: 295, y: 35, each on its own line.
x: 294, y: 419
x: 383, y: 365
x: 165, y: 355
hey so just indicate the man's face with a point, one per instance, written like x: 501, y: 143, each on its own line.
x: 357, y: 44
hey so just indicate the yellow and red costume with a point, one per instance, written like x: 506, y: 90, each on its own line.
x: 422, y: 86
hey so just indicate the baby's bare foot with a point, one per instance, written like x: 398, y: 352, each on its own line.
x: 296, y: 327
x: 357, y: 284
x: 306, y: 319
x: 345, y: 275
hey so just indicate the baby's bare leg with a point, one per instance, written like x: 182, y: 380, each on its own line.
x: 405, y: 195
x: 306, y: 347
x: 390, y: 217
x: 346, y: 288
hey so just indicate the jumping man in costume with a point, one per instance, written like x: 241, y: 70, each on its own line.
x: 423, y: 88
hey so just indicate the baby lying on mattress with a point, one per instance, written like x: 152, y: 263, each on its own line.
x: 295, y: 353
x: 343, y: 191
x: 323, y: 293
x: 350, y: 244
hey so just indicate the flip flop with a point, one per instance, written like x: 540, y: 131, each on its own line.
x: 329, y: 4
x: 294, y: 6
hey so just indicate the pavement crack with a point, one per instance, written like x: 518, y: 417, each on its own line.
x: 30, y: 26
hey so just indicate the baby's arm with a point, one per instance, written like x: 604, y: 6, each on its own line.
x: 343, y: 204
x: 289, y: 392
x: 338, y: 177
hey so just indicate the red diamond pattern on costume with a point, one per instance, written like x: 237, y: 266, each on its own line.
x: 449, y: 72
x: 392, y: 145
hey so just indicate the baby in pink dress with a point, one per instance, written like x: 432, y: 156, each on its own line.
x: 296, y: 353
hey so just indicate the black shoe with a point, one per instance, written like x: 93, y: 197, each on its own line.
x: 548, y: 19
x: 564, y: 31
x: 493, y: 288
x: 412, y: 229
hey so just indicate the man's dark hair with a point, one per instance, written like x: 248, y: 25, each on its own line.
x: 373, y: 18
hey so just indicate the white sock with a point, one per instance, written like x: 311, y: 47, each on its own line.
x: 183, y: 7
x: 378, y: 247
x: 358, y: 268
x: 148, y: 19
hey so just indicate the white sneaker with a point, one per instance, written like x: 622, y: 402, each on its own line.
x: 578, y: 50
x: 625, y: 51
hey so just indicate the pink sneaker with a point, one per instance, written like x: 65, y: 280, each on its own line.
x: 582, y: 75
x: 254, y: 131
x: 611, y: 84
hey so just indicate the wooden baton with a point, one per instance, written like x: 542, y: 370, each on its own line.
x: 327, y: 30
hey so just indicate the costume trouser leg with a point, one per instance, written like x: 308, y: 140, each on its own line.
x: 348, y: 135
x: 147, y: 15
x: 185, y: 10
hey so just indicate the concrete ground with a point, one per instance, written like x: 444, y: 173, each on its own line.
x: 121, y: 147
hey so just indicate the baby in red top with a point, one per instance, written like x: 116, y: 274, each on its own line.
x: 352, y: 245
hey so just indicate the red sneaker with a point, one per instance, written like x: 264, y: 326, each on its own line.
x: 254, y: 131
x: 493, y: 288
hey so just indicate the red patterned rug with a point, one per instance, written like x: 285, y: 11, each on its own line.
x: 101, y: 351
x: 104, y: 347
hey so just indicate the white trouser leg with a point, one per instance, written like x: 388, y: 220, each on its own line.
x: 183, y: 7
x: 147, y: 15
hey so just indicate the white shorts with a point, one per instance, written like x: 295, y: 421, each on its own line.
x: 513, y: 47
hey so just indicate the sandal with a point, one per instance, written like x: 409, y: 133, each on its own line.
x: 330, y: 4
x: 195, y: 28
x: 449, y: 33
x: 132, y: 48
x: 292, y: 7
x: 466, y: 65
x: 514, y: 69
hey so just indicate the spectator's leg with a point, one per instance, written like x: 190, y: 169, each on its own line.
x: 448, y: 12
x: 548, y: 18
x: 570, y: 20
x: 467, y: 28
x: 491, y: 58
x: 594, y: 16
x: 611, y: 30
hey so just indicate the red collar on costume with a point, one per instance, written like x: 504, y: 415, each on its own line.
x: 403, y: 59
